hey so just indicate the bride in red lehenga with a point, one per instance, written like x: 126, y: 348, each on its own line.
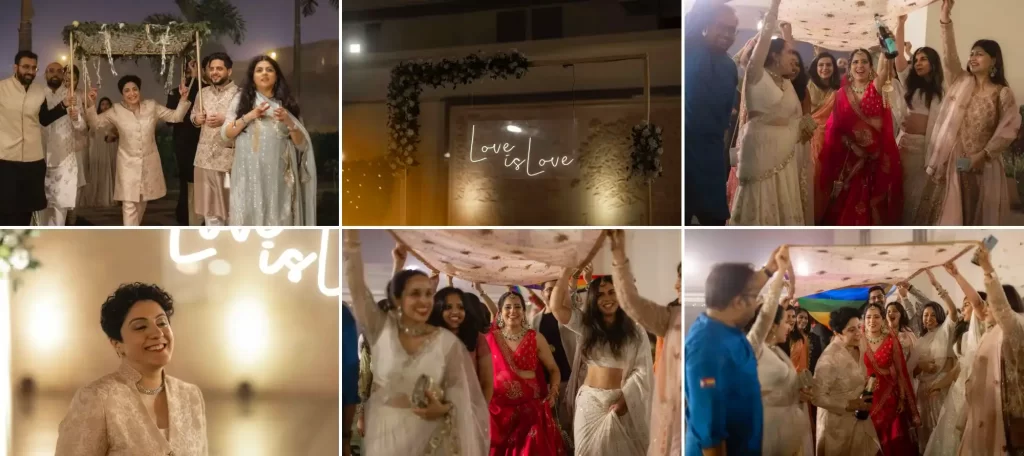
x: 894, y: 407
x: 860, y: 178
x: 521, y: 419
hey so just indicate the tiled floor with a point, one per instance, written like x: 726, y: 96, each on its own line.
x: 265, y: 427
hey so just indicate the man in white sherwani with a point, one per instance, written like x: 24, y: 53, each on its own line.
x: 63, y: 142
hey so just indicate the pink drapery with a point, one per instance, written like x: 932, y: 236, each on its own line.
x: 830, y: 267
x: 502, y: 257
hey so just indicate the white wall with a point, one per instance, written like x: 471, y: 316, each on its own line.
x: 988, y: 19
x: 281, y: 336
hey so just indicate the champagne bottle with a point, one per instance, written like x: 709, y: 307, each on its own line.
x: 886, y: 40
x: 866, y: 396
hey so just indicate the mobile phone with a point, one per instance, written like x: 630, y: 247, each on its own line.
x: 963, y: 164
x: 989, y: 243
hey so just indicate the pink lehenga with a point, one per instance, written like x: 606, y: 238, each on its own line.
x: 969, y: 122
x: 994, y: 399
x: 521, y: 421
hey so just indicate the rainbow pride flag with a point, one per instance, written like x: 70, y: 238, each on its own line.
x: 821, y: 304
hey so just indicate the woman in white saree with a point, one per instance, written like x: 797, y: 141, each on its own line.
x: 787, y: 430
x: 273, y: 177
x: 932, y: 360
x: 610, y: 387
x: 839, y: 380
x: 945, y: 437
x: 426, y: 398
x: 768, y: 169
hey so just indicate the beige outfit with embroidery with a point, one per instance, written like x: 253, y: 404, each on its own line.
x: 214, y: 158
x: 110, y: 417
x: 139, y: 176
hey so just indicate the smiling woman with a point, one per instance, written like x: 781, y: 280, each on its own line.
x: 138, y: 409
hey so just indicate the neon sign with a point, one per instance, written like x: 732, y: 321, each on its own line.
x: 541, y: 166
x: 293, y: 260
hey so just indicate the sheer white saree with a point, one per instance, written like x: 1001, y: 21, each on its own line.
x: 598, y: 430
x: 391, y: 427
x: 945, y: 438
x: 935, y: 347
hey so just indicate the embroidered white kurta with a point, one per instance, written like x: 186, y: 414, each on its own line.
x: 109, y: 418
x: 63, y: 142
x: 139, y: 176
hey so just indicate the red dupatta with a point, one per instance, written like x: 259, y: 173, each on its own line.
x: 859, y: 190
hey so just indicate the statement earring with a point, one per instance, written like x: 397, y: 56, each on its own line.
x: 992, y: 72
x: 501, y: 323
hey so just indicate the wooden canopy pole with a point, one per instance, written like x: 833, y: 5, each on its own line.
x: 199, y: 74
x: 71, y: 65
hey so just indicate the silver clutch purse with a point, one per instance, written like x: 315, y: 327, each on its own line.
x: 419, y: 391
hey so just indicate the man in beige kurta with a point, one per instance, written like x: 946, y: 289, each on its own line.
x: 214, y: 156
x: 63, y: 143
x: 23, y: 114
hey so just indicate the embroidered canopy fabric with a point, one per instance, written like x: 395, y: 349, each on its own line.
x: 825, y: 268
x: 502, y: 257
x: 841, y: 25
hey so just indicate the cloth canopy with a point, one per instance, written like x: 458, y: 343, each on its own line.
x: 832, y: 267
x: 502, y: 257
x: 841, y: 25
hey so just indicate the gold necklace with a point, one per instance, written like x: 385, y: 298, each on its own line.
x: 875, y: 341
x: 513, y: 337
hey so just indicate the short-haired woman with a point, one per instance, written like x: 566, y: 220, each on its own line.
x: 139, y: 409
x: 139, y: 177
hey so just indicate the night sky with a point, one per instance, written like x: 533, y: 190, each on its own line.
x: 269, y: 24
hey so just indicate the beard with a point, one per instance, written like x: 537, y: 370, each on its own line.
x: 26, y: 78
x: 54, y: 83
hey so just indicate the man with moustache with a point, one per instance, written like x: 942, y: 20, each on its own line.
x: 63, y: 142
x: 23, y: 114
x: 186, y: 139
x: 214, y: 157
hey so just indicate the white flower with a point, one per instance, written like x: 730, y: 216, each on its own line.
x: 657, y: 130
x: 408, y: 132
x: 403, y: 141
x: 20, y: 258
x: 10, y: 240
x: 647, y: 132
x: 408, y: 160
x: 120, y: 25
x: 4, y: 266
x: 661, y: 150
x: 652, y: 143
x: 74, y: 24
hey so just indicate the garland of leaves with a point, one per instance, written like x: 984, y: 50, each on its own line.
x: 645, y: 153
x: 15, y: 253
x: 137, y: 33
x: 407, y: 80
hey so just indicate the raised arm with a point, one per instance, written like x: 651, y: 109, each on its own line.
x: 765, y: 317
x: 48, y: 116
x: 884, y: 72
x: 653, y: 317
x: 755, y: 68
x: 178, y: 114
x: 944, y: 295
x: 950, y: 57
x: 560, y: 307
x: 364, y: 309
x: 997, y: 301
x: 488, y: 302
x: 901, y: 59
x: 970, y: 293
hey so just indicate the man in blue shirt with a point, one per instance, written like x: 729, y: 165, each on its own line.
x: 709, y: 90
x: 723, y: 395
